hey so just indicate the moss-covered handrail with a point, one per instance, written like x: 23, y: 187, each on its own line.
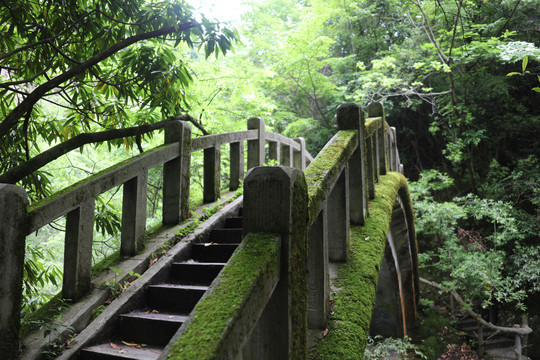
x: 311, y: 212
x: 323, y: 173
x: 349, y: 328
x: 231, y: 308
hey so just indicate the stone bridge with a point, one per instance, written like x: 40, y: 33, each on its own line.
x: 255, y: 279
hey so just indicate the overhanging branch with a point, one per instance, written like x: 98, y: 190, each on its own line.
x: 19, y: 172
x: 525, y: 330
x: 13, y: 117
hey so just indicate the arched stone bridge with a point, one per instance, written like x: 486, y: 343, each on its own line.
x: 350, y: 205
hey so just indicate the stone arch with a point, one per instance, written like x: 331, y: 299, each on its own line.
x: 396, y: 299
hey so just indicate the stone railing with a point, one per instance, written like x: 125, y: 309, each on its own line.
x: 305, y: 216
x: 18, y: 219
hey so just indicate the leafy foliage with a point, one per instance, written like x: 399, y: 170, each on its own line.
x: 477, y: 245
x: 102, y: 65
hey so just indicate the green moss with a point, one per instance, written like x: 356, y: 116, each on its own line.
x: 326, y: 167
x: 258, y: 255
x: 45, y: 314
x: 372, y: 125
x: 106, y: 263
x: 349, y: 326
x: 299, y: 265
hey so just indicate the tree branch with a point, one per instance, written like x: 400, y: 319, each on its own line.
x: 508, y: 19
x: 11, y: 120
x: 525, y: 330
x: 19, y: 172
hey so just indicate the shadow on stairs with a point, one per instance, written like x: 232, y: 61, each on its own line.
x: 142, y: 329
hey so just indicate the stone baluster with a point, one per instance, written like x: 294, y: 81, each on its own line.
x: 212, y: 174
x: 286, y: 155
x: 256, y: 148
x: 299, y: 157
x: 371, y: 165
x: 78, y: 251
x: 176, y: 174
x: 13, y: 214
x: 274, y: 151
x: 134, y: 215
x: 351, y: 117
x: 318, y: 281
x: 338, y: 218
x: 376, y: 109
x: 237, y: 165
x: 517, y: 348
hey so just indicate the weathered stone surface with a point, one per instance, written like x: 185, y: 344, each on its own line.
x: 236, y: 175
x: 134, y: 215
x: 256, y: 148
x: 212, y: 174
x: 299, y: 157
x: 275, y: 201
x: 105, y: 322
x: 176, y: 174
x: 78, y: 251
x: 351, y: 117
x: 338, y: 218
x: 375, y: 109
x: 274, y: 151
x: 286, y: 155
x: 318, y: 281
x: 13, y: 204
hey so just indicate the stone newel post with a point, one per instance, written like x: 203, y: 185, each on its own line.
x: 13, y: 210
x: 275, y: 201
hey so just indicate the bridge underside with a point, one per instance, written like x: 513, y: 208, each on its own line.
x: 378, y: 286
x: 395, y: 304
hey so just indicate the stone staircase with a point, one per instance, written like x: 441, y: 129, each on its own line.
x: 494, y: 344
x: 144, y: 332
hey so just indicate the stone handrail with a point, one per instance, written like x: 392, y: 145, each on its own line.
x: 310, y: 213
x: 17, y: 219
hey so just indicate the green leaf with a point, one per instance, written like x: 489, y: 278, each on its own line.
x: 537, y: 89
x: 513, y: 73
x: 524, y: 63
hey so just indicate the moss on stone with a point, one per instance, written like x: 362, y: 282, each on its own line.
x: 357, y: 279
x: 372, y: 125
x: 44, y: 315
x: 299, y: 265
x: 326, y: 168
x: 215, y: 313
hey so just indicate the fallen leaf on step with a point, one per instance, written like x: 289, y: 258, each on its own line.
x: 170, y: 317
x: 132, y: 344
x: 155, y: 312
x: 114, y: 346
x: 122, y: 352
x: 325, y: 332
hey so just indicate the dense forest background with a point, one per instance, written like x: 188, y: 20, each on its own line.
x: 459, y: 79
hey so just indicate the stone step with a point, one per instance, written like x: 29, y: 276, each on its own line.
x: 148, y: 327
x: 195, y: 273
x: 226, y: 236
x: 234, y: 222
x: 179, y: 299
x: 166, y: 305
x: 118, y: 350
x: 498, y: 342
x: 212, y: 252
